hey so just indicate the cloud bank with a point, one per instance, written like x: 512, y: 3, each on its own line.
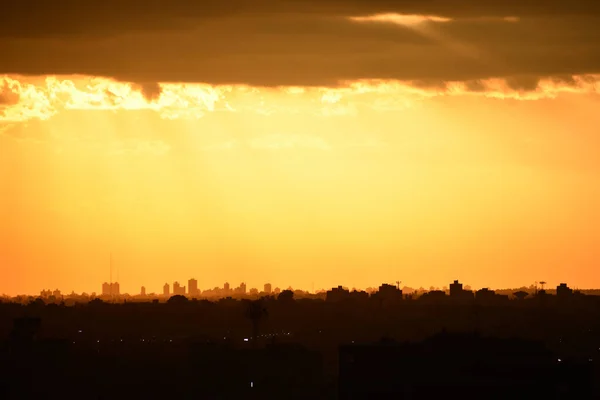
x: 23, y: 99
x: 301, y: 43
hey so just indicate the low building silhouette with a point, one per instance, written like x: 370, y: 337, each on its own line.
x: 337, y: 294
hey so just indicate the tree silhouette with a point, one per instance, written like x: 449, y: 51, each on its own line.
x: 96, y: 303
x: 520, y: 295
x: 255, y: 311
x: 39, y: 303
x: 177, y: 299
x: 286, y: 296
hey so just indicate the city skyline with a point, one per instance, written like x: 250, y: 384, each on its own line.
x: 226, y: 289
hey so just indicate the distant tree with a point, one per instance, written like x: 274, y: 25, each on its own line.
x: 467, y: 288
x: 286, y: 296
x: 39, y: 302
x: 96, y: 302
x: 177, y: 299
x: 520, y: 295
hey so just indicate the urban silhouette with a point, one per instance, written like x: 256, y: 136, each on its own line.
x: 339, y: 344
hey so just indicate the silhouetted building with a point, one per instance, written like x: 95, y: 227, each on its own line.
x: 111, y: 289
x: 457, y: 293
x: 337, y: 294
x: 178, y: 290
x: 433, y: 297
x: 166, y: 290
x: 389, y: 293
x: 359, y: 295
x: 106, y: 289
x: 267, y: 288
x: 193, y: 287
x: 242, y: 288
x: 485, y: 294
x: 226, y: 287
x: 143, y: 291
x: 456, y: 289
x: 563, y: 291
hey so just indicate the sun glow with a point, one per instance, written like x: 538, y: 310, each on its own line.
x: 290, y: 184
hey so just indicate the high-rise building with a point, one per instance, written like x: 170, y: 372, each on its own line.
x: 456, y: 289
x: 243, y: 287
x: 193, y: 287
x: 106, y: 289
x: 178, y: 290
x: 267, y: 289
x: 111, y: 289
x: 563, y: 291
x: 166, y: 290
x: 226, y: 287
x: 143, y: 291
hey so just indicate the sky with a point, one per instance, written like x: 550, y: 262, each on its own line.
x: 303, y: 143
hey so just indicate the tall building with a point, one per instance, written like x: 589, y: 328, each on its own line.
x: 178, y: 290
x: 243, y: 287
x: 166, y: 290
x: 111, y: 289
x: 226, y: 287
x: 106, y: 289
x: 456, y: 289
x: 563, y: 291
x: 267, y: 288
x: 143, y: 291
x: 193, y: 287
x: 337, y: 294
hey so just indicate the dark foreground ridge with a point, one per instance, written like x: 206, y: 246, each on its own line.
x: 346, y: 346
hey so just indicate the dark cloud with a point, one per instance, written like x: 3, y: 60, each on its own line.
x: 298, y: 42
x: 523, y: 83
x: 60, y: 17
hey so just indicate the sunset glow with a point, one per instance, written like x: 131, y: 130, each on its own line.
x: 439, y: 156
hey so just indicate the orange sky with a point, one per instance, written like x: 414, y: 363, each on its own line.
x: 349, y: 143
x: 373, y: 182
